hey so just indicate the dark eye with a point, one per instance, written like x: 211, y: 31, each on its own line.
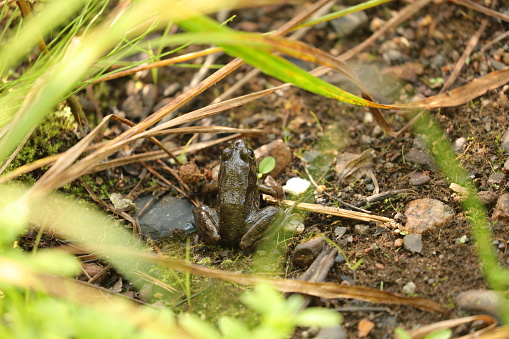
x: 247, y: 155
x: 226, y: 154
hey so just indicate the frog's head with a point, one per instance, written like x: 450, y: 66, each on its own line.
x: 238, y: 165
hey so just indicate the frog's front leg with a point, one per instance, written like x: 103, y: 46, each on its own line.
x: 207, y: 223
x: 260, y: 222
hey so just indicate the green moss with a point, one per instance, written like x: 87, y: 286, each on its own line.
x: 54, y: 135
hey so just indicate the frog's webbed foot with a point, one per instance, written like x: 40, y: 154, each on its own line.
x: 206, y: 223
x: 260, y: 221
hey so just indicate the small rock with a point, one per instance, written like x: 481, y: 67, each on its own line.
x: 400, y: 217
x: 398, y: 242
x: 366, y: 139
x: 164, y: 216
x: 148, y: 98
x: 409, y: 288
x: 426, y: 214
x: 501, y: 210
x: 422, y: 158
x: 419, y: 178
x: 488, y: 198
x: 413, y: 243
x: 121, y: 203
x: 339, y: 231
x: 336, y: 332
x: 133, y: 107
x: 296, y: 186
x: 339, y: 258
x: 506, y: 166
x: 481, y: 301
x: 365, y: 326
x: 459, y: 145
x: 305, y: 253
x: 496, y: 179
x: 460, y: 190
x: 349, y: 23
x: 361, y: 229
x: 279, y: 151
x: 505, y: 141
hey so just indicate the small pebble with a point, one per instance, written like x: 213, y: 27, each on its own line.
x: 505, y: 141
x: 336, y: 332
x: 398, y: 242
x: 501, y: 210
x: 426, y: 214
x: 418, y: 178
x: 361, y: 229
x: 496, y: 179
x: 348, y: 24
x: 339, y: 231
x: 413, y: 243
x: 409, y: 288
x: 459, y: 145
x: 296, y: 186
x: 488, y: 198
x: 506, y: 165
x: 421, y: 158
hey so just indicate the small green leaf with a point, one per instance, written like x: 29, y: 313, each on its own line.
x: 400, y: 333
x: 233, y: 328
x: 13, y: 219
x: 266, y: 165
x: 441, y: 334
x: 315, y: 316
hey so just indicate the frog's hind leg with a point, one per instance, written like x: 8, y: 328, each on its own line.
x: 260, y: 222
x: 207, y: 225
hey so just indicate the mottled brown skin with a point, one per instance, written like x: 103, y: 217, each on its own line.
x: 237, y: 220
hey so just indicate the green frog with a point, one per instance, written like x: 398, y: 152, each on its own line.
x: 237, y: 220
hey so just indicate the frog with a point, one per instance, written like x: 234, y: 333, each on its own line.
x: 237, y: 220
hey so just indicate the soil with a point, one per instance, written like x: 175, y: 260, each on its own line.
x: 428, y: 46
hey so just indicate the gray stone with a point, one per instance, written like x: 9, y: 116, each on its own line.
x: 409, y: 288
x: 501, y: 210
x: 505, y: 141
x: 413, y: 243
x: 418, y: 178
x: 345, y: 25
x: 339, y: 231
x: 426, y: 214
x: 488, y: 198
x: 496, y: 179
x: 422, y: 158
x: 361, y: 229
x: 459, y: 145
x: 506, y: 165
x: 336, y: 332
x: 164, y: 216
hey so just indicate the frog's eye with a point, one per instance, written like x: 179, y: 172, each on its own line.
x: 226, y: 154
x: 247, y: 155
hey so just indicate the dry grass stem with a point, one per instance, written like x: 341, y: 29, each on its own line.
x: 340, y: 212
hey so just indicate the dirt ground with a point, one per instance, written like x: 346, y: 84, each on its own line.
x: 407, y: 63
